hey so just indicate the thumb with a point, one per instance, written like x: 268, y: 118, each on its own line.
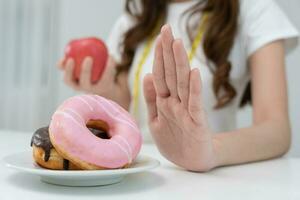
x: 150, y: 96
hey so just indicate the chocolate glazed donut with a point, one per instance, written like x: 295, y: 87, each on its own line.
x: 41, y: 140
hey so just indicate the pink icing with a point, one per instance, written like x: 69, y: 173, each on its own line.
x: 68, y: 130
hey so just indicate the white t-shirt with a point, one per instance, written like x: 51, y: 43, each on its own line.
x: 261, y: 22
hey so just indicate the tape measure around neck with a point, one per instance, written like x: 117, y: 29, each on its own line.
x: 146, y: 52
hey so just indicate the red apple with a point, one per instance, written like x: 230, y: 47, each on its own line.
x: 93, y: 47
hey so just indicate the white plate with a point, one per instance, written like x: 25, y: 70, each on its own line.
x: 24, y: 162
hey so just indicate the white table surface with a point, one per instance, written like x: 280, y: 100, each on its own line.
x: 276, y: 179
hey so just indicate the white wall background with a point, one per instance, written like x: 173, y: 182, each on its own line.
x: 291, y: 8
x: 80, y: 18
x: 28, y: 50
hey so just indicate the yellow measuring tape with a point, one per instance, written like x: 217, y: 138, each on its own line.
x: 146, y: 51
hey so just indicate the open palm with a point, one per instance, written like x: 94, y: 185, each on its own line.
x: 176, y: 118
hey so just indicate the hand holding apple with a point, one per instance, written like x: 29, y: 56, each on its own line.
x: 92, y: 47
x: 87, y: 68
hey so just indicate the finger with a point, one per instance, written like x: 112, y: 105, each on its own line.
x: 86, y: 72
x: 182, y: 70
x: 150, y: 96
x: 68, y: 75
x: 109, y: 71
x: 158, y: 71
x: 169, y: 61
x: 195, y: 102
x: 61, y: 63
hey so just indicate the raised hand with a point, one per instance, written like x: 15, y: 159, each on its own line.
x: 176, y: 117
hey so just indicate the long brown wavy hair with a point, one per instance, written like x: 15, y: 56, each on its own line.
x: 222, y: 25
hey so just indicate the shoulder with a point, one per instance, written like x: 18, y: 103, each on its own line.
x: 124, y: 21
x: 262, y: 22
x: 251, y: 5
x: 254, y: 9
x: 116, y: 35
x: 121, y: 26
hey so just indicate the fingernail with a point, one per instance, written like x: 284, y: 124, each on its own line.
x: 70, y: 61
x: 178, y: 40
x: 158, y: 38
x: 165, y: 27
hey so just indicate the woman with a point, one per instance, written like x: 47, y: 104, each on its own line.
x: 229, y: 44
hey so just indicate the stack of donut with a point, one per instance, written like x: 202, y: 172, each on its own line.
x: 87, y: 132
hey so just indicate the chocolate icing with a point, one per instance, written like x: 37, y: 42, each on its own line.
x: 41, y: 139
x: 66, y: 164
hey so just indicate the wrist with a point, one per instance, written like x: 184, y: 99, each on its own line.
x: 209, y: 158
x: 220, y: 159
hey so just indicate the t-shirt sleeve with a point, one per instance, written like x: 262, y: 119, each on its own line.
x: 264, y: 22
x: 116, y: 36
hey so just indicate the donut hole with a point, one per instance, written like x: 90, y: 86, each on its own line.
x: 99, y: 128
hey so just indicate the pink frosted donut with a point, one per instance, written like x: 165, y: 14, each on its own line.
x: 72, y: 139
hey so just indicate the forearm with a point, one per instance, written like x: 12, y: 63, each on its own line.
x: 115, y: 88
x: 122, y: 97
x: 121, y: 93
x: 259, y: 142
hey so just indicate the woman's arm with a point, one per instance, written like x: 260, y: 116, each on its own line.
x: 178, y: 122
x: 269, y: 135
x: 106, y: 86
